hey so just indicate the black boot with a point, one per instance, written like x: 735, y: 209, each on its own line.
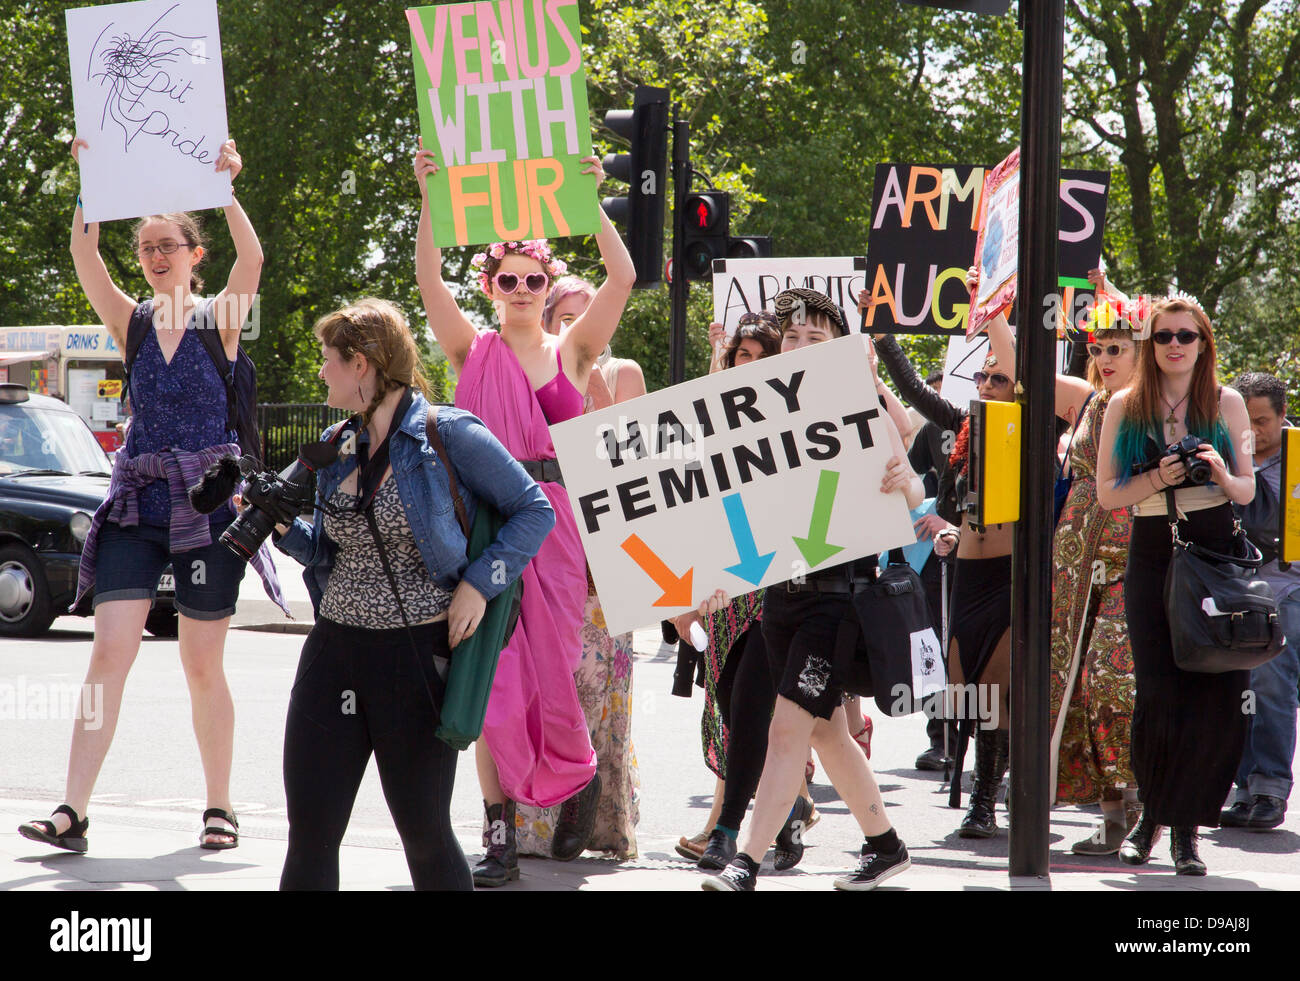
x: 1183, y: 849
x: 576, y: 822
x: 1136, y: 848
x: 979, y: 821
x: 1002, y: 763
x: 501, y: 863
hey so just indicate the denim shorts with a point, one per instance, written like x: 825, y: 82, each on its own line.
x: 129, y: 561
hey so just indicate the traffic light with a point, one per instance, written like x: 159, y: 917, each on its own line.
x: 644, y: 169
x: 750, y: 247
x: 706, y: 219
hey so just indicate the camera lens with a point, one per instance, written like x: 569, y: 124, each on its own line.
x: 247, y: 532
x: 1198, y: 471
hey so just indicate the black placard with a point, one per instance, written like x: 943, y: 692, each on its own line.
x: 923, y: 235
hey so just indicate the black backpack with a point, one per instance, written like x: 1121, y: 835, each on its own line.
x: 240, y: 377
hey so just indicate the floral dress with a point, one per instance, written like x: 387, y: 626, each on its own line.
x: 604, y: 681
x: 1092, y: 687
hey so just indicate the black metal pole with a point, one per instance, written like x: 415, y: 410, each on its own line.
x: 1031, y: 576
x: 679, y: 287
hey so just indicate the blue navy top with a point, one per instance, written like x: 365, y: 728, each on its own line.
x: 181, y: 405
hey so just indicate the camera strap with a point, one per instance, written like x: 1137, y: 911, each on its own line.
x: 371, y: 469
x: 370, y: 473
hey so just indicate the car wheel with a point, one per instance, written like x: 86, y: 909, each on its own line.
x: 163, y: 624
x: 25, y: 607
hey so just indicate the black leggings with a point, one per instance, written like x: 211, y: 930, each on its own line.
x: 359, y: 691
x: 747, y: 710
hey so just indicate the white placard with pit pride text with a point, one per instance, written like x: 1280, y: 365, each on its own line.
x: 150, y: 100
x: 746, y: 477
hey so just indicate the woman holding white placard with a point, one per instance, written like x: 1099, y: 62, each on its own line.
x: 179, y: 426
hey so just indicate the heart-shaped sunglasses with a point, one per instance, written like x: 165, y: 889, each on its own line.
x: 507, y: 283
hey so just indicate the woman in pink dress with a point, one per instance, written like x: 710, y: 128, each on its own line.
x: 535, y: 746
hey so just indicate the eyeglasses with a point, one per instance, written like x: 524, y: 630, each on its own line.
x: 507, y: 283
x: 1114, y: 350
x: 166, y: 248
x: 998, y: 379
x: 1163, y: 337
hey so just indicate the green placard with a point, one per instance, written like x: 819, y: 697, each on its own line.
x: 503, y: 106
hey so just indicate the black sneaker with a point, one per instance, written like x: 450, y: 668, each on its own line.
x: 719, y: 852
x: 789, y: 843
x: 740, y: 876
x: 1266, y: 812
x: 874, y: 868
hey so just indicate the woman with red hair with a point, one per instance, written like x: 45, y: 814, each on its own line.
x: 1188, y: 728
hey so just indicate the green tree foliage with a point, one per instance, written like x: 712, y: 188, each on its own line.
x: 791, y: 104
x: 1194, y: 104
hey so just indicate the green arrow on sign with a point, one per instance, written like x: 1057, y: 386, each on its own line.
x: 814, y: 548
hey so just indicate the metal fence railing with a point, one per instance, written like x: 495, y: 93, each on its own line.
x: 285, y: 427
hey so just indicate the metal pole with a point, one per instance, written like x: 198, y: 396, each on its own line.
x: 1031, y: 576
x: 679, y: 287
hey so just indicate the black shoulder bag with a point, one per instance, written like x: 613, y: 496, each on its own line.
x: 887, y: 637
x: 1222, y: 616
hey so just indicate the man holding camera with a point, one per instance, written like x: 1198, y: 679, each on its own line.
x: 1264, y: 776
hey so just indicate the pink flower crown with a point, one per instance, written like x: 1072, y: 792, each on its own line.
x: 536, y: 248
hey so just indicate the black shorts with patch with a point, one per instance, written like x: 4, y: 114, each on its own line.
x: 799, y: 632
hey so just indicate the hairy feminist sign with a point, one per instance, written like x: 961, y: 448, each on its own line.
x: 150, y: 100
x: 503, y: 105
x: 737, y: 480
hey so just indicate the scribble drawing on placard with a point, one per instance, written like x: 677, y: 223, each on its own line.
x: 139, y: 73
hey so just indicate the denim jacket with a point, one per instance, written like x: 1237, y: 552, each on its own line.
x: 484, y: 469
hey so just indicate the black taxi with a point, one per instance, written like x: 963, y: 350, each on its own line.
x: 53, y: 476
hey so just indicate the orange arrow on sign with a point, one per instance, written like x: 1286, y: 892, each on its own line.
x: 677, y: 589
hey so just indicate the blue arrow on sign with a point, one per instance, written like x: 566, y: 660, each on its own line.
x: 752, y: 566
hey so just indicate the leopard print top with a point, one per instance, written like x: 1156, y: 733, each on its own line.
x: 359, y: 593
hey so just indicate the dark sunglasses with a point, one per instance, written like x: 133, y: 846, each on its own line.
x: 1163, y: 337
x: 998, y: 379
x: 507, y: 283
x: 1114, y: 350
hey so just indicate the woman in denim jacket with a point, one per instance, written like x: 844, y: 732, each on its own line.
x: 359, y: 686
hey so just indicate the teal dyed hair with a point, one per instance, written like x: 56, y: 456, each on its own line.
x: 1131, y: 442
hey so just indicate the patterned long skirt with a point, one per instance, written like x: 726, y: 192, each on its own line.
x: 1092, y: 662
x: 604, y: 680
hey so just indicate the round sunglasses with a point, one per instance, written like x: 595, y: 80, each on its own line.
x: 1114, y: 350
x: 997, y: 378
x: 507, y: 282
x: 1185, y: 337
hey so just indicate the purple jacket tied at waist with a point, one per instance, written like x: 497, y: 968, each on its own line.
x: 188, y: 530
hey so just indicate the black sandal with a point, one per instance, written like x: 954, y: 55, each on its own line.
x: 73, y: 840
x: 213, y: 830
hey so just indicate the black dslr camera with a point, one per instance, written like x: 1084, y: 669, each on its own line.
x: 1198, y: 471
x: 272, y: 498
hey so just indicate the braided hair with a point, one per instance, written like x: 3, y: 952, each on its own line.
x: 377, y: 330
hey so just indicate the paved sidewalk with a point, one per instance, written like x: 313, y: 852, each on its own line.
x: 137, y: 849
